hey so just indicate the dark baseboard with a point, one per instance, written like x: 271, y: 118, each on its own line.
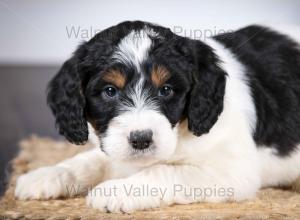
x: 23, y: 109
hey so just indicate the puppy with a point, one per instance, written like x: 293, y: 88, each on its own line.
x: 174, y: 120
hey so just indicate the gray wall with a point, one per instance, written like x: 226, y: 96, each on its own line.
x: 35, y: 32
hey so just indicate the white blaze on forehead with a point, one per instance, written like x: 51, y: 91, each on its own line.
x: 134, y: 48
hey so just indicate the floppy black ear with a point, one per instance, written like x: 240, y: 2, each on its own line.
x: 67, y: 102
x: 207, y: 94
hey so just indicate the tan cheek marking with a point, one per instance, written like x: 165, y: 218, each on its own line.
x: 116, y: 78
x: 159, y: 75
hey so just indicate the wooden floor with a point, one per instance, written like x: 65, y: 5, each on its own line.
x: 23, y: 109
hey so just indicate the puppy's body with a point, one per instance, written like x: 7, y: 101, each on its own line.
x: 220, y: 116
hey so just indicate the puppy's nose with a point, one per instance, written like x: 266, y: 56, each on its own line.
x: 140, y: 139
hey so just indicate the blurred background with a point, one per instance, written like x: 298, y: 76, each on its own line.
x: 37, y: 36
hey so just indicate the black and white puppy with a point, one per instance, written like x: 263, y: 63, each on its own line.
x: 192, y: 121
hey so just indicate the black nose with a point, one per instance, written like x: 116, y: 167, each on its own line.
x: 141, y: 139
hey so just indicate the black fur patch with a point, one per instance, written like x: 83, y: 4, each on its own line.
x: 272, y: 62
x: 207, y: 95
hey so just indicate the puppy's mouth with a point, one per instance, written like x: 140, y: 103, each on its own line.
x: 143, y: 137
x: 143, y: 153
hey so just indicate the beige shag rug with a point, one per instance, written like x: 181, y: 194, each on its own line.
x: 36, y: 152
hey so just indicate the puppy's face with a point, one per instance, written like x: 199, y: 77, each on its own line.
x: 136, y: 101
x: 134, y: 83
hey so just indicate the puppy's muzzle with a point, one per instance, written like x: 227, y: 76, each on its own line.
x: 140, y: 139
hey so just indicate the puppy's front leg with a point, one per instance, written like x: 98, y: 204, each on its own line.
x: 170, y: 184
x: 68, y: 178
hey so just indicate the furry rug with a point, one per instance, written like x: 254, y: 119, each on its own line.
x: 36, y: 152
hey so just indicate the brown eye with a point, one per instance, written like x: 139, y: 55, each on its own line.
x: 110, y: 91
x: 165, y: 91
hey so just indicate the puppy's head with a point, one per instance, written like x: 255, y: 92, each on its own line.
x: 134, y: 83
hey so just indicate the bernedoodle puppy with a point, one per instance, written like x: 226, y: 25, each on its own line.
x: 174, y: 120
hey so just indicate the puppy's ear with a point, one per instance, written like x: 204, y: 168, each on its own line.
x: 67, y: 102
x: 207, y: 94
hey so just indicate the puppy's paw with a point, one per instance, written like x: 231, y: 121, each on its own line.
x: 120, y: 196
x: 44, y: 183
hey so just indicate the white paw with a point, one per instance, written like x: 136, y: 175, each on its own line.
x: 118, y: 196
x: 44, y: 183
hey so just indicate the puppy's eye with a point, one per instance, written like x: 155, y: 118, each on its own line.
x: 165, y: 91
x: 110, y: 91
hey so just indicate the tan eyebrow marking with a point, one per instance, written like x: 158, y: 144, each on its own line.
x: 159, y: 75
x: 115, y: 77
